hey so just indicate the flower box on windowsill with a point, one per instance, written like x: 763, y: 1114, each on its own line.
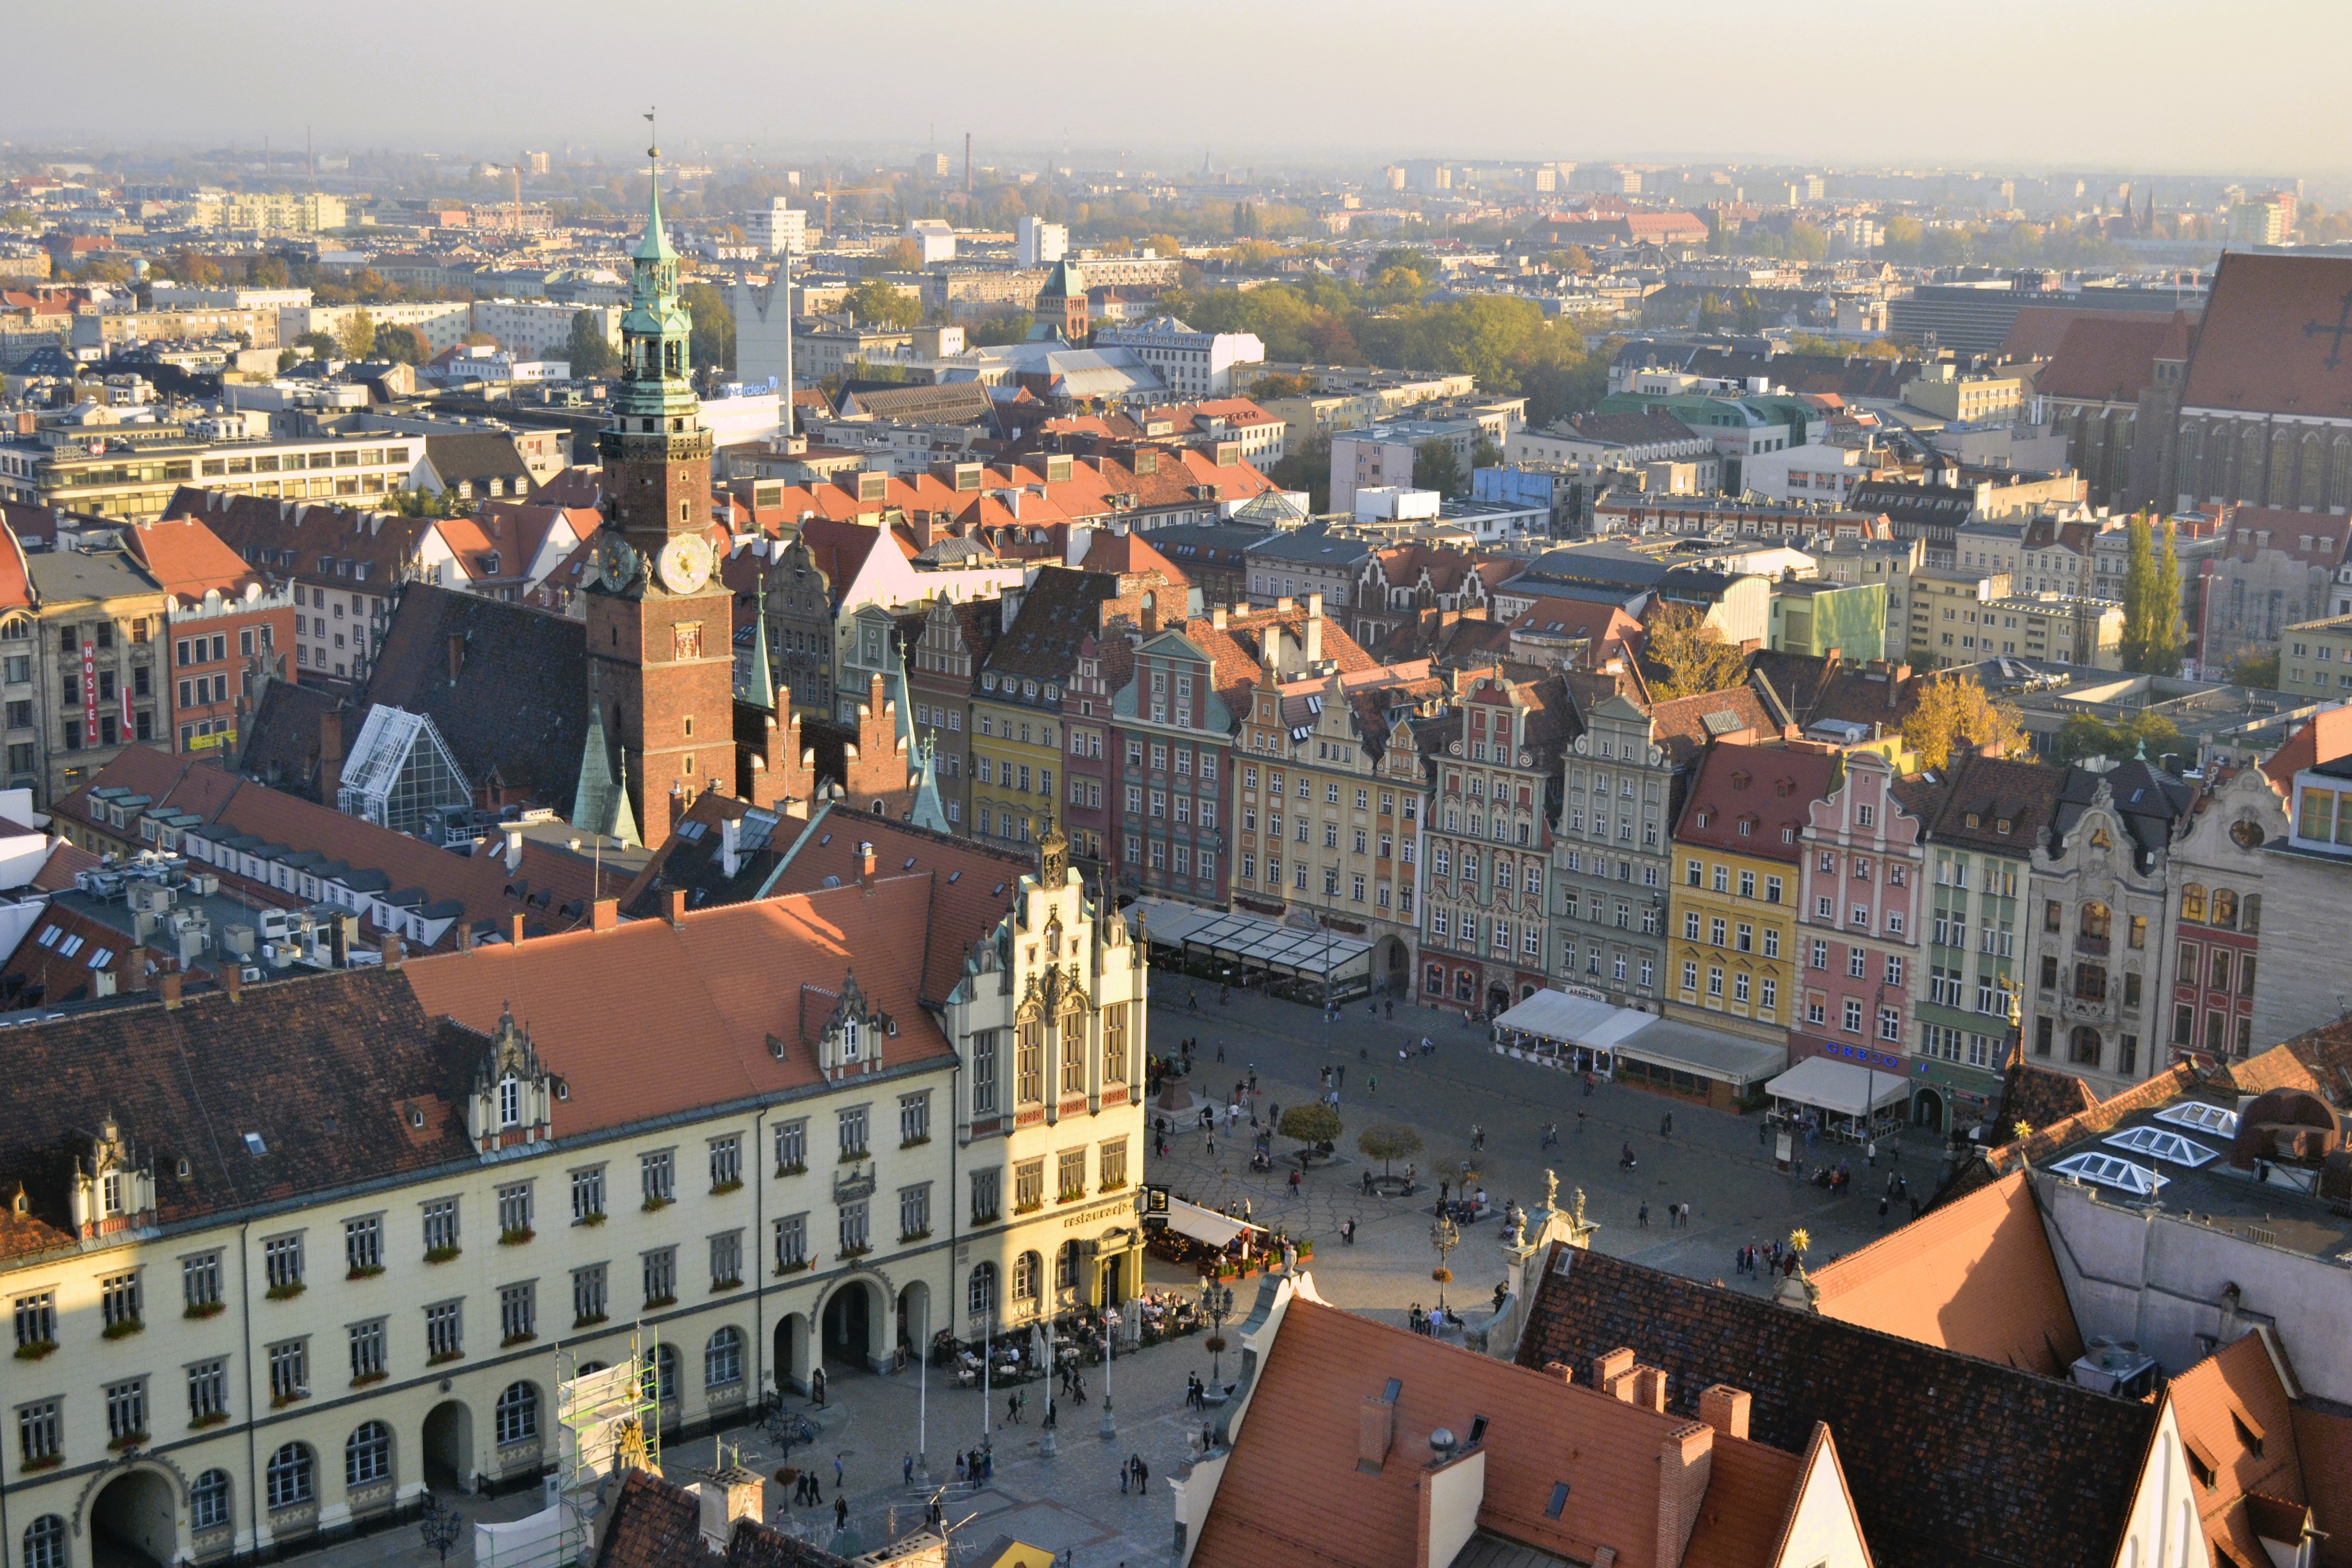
x: 123, y: 1328
x: 654, y: 1205
x: 852, y: 1157
x: 905, y: 1238
x: 517, y: 1237
x: 287, y: 1292
x: 1118, y: 1186
x: 205, y: 1310
x: 365, y: 1272
x: 720, y: 1189
x: 847, y: 1253
x: 915, y: 1143
x: 216, y: 1419
x: 443, y: 1358
x: 516, y: 1340
x: 36, y: 1349
x: 800, y: 1266
x: 590, y: 1322
x: 46, y: 1462
x: 718, y: 1285
x: 661, y: 1301
x: 991, y: 1218
x: 596, y: 1218
x: 441, y: 1254
x: 1020, y: 1209
x: 365, y: 1378
x: 1077, y: 1198
x: 797, y: 1168
x: 280, y: 1401
x: 128, y: 1440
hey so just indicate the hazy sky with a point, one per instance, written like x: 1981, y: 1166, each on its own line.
x: 2137, y: 86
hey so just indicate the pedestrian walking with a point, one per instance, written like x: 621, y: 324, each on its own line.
x: 1372, y: 1085
x: 1882, y: 1207
x: 1644, y: 1216
x: 906, y: 1470
x: 1579, y: 1124
x: 960, y: 1468
x: 837, y: 1468
x: 816, y: 1386
x: 1348, y: 1228
x: 1294, y: 1182
x: 1666, y: 1125
x: 841, y: 1513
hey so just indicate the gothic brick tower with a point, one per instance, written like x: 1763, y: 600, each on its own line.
x: 660, y: 621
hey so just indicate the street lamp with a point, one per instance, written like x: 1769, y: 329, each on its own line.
x: 1110, y: 1353
x: 1216, y: 1305
x: 441, y: 1527
x: 1444, y: 1235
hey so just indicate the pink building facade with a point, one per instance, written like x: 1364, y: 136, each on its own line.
x: 1858, y: 926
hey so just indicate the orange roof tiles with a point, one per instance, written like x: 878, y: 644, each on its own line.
x: 2235, y: 1422
x: 728, y: 980
x: 1974, y: 1275
x: 188, y: 559
x: 1293, y: 1493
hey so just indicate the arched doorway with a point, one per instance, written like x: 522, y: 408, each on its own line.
x: 449, y: 1447
x: 1498, y: 997
x: 917, y: 1321
x: 133, y: 1523
x: 1928, y: 1110
x: 849, y: 1325
x: 791, y: 1362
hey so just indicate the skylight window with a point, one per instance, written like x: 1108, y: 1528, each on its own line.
x: 2110, y: 1171
x: 50, y: 935
x: 2157, y: 1144
x: 255, y: 1146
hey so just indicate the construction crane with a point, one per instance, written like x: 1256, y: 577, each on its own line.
x: 831, y: 192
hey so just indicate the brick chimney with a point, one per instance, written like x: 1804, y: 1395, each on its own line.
x: 1217, y: 616
x: 1685, y: 1464
x: 604, y: 914
x: 674, y: 901
x: 389, y: 944
x: 865, y: 865
x: 1650, y: 1388
x: 1375, y: 1433
x: 134, y: 969
x: 1314, y: 634
x: 232, y: 978
x: 1725, y: 1408
x: 1609, y: 1371
x: 169, y: 983
x: 514, y: 929
x: 464, y: 936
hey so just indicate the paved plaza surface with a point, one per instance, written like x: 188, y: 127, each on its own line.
x: 1072, y: 1501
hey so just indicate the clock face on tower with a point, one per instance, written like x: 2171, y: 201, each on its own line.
x: 685, y: 564
x: 616, y: 562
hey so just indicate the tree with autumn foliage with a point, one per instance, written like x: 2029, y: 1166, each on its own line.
x: 1955, y: 715
x: 1692, y: 654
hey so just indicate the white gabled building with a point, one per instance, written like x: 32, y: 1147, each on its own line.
x: 1193, y: 365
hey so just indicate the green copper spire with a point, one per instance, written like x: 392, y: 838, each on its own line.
x: 655, y: 329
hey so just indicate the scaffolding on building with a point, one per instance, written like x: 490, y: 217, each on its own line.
x: 608, y: 1420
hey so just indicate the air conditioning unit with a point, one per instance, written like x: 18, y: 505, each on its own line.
x: 203, y: 884
x: 249, y: 972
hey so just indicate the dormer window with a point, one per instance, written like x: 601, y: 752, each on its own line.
x: 510, y: 1101
x: 110, y: 1194
x: 849, y: 1032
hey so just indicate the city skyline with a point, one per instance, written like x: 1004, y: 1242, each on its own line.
x: 766, y: 93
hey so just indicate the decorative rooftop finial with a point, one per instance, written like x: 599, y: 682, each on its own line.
x: 1053, y: 855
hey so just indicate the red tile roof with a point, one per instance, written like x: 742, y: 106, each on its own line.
x: 726, y: 981
x: 2267, y: 343
x: 188, y: 559
x: 1754, y: 800
x: 1293, y: 1492
x: 2109, y: 356
x: 1975, y: 1276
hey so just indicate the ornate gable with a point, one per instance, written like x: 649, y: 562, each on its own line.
x: 512, y: 1099
x: 112, y: 1190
